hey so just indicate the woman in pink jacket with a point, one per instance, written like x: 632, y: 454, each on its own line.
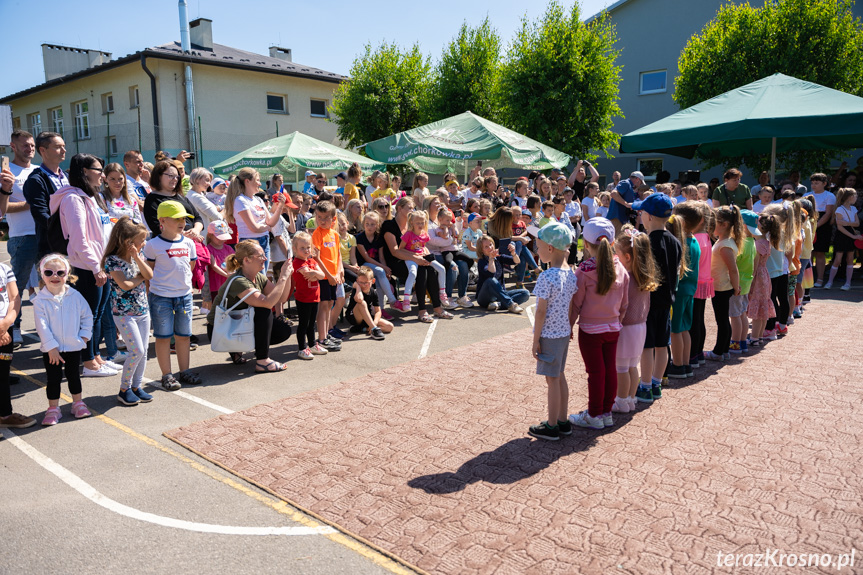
x: 86, y: 225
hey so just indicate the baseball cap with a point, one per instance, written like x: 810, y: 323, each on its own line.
x: 217, y: 182
x: 342, y: 175
x: 657, y: 205
x: 597, y: 228
x: 556, y: 235
x: 526, y: 212
x: 473, y: 217
x: 172, y: 209
x: 750, y: 218
x: 637, y: 174
x: 310, y: 173
x: 220, y: 229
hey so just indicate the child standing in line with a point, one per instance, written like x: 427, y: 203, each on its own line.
x: 667, y: 252
x: 806, y: 273
x: 326, y: 242
x: 364, y: 309
x: 599, y: 305
x: 704, y: 290
x: 306, y: 280
x: 632, y: 249
x: 554, y: 290
x: 64, y: 323
x: 778, y: 265
x: 414, y: 240
x: 171, y: 255
x: 127, y: 271
x: 746, y: 268
x: 686, y: 219
x: 847, y: 223
x: 761, y: 306
x: 218, y: 233
x: 726, y: 277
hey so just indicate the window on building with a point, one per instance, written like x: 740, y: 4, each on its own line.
x: 108, y: 103
x: 652, y: 82
x: 111, y: 146
x: 82, y: 120
x: 650, y: 167
x: 133, y: 97
x: 277, y: 104
x: 16, y: 123
x: 34, y: 123
x: 319, y: 108
x: 57, y: 120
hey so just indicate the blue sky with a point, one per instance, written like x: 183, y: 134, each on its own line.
x: 326, y: 34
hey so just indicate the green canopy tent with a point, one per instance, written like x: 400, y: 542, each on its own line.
x: 458, y: 142
x: 775, y: 114
x: 294, y: 152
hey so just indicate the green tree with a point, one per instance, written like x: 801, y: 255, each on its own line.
x: 815, y: 40
x: 559, y: 83
x: 466, y: 75
x: 384, y: 94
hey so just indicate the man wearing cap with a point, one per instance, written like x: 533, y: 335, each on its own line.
x: 622, y: 197
x: 732, y: 191
x: 310, y: 179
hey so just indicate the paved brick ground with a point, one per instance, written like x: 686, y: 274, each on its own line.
x: 429, y: 460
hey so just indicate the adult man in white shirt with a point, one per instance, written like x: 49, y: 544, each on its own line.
x: 22, y: 245
x: 133, y: 161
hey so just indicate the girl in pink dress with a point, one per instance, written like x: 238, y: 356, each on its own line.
x: 704, y: 290
x: 760, y: 306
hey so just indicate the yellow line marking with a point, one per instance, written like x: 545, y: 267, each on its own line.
x: 279, y: 506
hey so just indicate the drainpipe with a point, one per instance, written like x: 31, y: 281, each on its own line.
x: 190, y: 93
x: 156, y: 134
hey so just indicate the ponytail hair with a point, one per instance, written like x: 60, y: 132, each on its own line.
x: 732, y: 215
x: 785, y: 218
x: 769, y: 226
x: 605, y: 272
x: 245, y: 249
x: 674, y: 224
x: 637, y: 245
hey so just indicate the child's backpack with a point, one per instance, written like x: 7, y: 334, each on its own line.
x: 58, y: 241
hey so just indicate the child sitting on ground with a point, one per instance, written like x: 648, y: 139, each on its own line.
x: 364, y: 309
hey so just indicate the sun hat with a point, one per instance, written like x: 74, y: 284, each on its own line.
x: 556, y: 235
x: 597, y: 228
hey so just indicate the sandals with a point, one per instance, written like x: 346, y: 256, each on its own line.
x: 426, y: 318
x: 271, y: 367
x: 443, y: 315
x: 238, y: 359
x: 189, y: 378
x: 80, y: 411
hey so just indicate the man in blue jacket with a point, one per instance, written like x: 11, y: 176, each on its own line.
x: 622, y: 197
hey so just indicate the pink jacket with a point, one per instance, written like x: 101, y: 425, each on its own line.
x: 82, y: 224
x: 591, y: 308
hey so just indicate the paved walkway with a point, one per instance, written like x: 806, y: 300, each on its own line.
x: 429, y: 460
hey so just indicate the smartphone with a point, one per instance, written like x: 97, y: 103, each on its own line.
x: 546, y: 357
x: 479, y: 163
x: 191, y: 155
x: 5, y: 163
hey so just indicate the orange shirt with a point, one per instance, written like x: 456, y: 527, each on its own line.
x: 327, y: 243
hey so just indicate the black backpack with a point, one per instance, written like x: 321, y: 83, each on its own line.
x: 57, y: 240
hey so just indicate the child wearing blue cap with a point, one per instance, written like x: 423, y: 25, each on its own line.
x: 554, y: 290
x: 667, y: 252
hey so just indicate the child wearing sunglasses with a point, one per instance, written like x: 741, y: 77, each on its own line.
x: 65, y: 325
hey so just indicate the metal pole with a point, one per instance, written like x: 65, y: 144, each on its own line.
x: 277, y: 128
x: 139, y: 127
x: 465, y: 173
x: 200, y: 143
x: 773, y: 162
x: 108, y: 138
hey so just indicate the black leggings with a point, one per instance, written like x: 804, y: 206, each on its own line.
x: 779, y: 297
x: 426, y: 282
x: 306, y: 312
x: 5, y: 365
x: 721, y: 301
x: 55, y: 373
x: 698, y: 333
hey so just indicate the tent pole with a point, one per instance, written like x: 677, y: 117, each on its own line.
x: 773, y: 162
x: 465, y: 173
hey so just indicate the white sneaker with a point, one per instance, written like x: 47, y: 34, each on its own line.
x: 514, y: 308
x: 790, y: 320
x: 583, y: 419
x: 607, y: 420
x: 621, y: 405
x: 633, y: 403
x: 447, y: 303
x: 103, y: 371
x: 828, y: 285
x: 464, y: 302
x: 305, y: 354
x: 845, y: 287
x: 818, y: 284
x: 119, y: 358
x: 493, y: 306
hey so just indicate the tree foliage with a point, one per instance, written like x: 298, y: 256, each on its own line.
x: 815, y: 40
x: 465, y: 78
x: 559, y: 82
x: 384, y: 94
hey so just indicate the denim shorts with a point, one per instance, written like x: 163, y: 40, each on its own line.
x: 171, y: 316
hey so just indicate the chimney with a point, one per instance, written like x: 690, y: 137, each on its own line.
x: 280, y: 53
x: 201, y: 33
x: 61, y: 61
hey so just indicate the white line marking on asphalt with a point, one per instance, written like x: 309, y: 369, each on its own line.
x: 530, y: 313
x: 90, y: 493
x: 191, y: 397
x: 427, y: 342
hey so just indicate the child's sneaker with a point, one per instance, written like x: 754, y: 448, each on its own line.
x: 330, y: 344
x: 306, y: 354
x: 797, y: 314
x: 735, y: 348
x: 336, y: 334
x: 584, y: 419
x: 464, y: 301
x: 80, y: 411
x: 790, y: 320
x: 402, y: 306
x: 318, y: 349
x: 607, y: 420
x: 712, y: 356
x: 16, y: 421
x: 514, y: 308
x: 103, y: 371
x: 52, y: 416
x: 633, y: 403
x: 377, y: 333
x: 621, y: 405
x: 726, y: 356
x: 445, y: 302
x: 693, y: 362
x: 845, y: 287
x: 828, y: 285
x: 143, y: 396
x: 656, y: 390
x: 121, y: 345
x: 387, y: 316
x: 781, y: 330
x: 689, y: 371
x: 817, y: 284
x: 169, y: 382
x: 493, y: 306
x: 701, y: 359
x: 677, y: 372
x: 744, y: 346
x: 644, y: 394
x: 544, y: 431
x: 564, y: 427
x: 807, y: 298
x: 127, y: 397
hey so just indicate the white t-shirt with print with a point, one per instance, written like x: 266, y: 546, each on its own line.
x: 20, y: 223
x: 172, y: 265
x: 256, y: 208
x: 6, y: 276
x: 557, y: 287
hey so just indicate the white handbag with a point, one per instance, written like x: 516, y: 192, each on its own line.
x: 233, y: 330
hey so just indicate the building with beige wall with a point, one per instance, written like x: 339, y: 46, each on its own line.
x: 107, y: 106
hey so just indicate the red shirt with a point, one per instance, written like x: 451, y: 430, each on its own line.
x: 305, y: 291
